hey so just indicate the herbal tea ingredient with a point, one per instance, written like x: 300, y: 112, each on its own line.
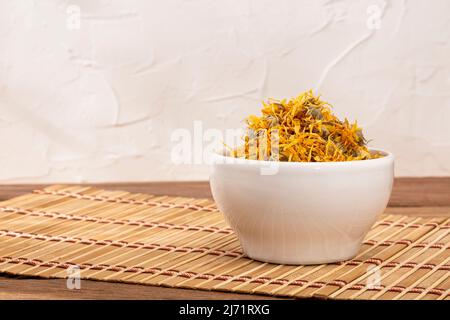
x: 306, y: 131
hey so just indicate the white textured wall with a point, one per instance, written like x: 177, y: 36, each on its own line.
x: 99, y: 102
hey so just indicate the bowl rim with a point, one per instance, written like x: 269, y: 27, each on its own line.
x: 387, y: 158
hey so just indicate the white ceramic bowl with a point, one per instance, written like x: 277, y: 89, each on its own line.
x: 298, y: 212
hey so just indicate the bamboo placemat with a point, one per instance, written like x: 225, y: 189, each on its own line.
x: 185, y: 243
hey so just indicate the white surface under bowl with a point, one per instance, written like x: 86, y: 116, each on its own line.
x: 300, y: 212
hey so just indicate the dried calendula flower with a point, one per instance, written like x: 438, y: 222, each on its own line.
x: 302, y: 129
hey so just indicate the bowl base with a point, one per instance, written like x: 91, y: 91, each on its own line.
x: 305, y: 260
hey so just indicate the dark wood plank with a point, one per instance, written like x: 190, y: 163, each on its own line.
x: 14, y: 288
x: 421, y: 192
x: 198, y: 189
x: 407, y: 192
x: 420, y: 211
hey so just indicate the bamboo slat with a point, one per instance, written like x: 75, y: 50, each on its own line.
x: 185, y: 243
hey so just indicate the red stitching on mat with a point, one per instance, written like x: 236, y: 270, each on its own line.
x: 406, y: 224
x: 402, y: 241
x: 208, y: 250
x: 118, y: 243
x: 191, y: 274
x: 114, y: 221
x: 407, y: 242
x: 127, y: 201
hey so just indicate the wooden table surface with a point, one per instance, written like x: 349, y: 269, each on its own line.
x: 411, y: 196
